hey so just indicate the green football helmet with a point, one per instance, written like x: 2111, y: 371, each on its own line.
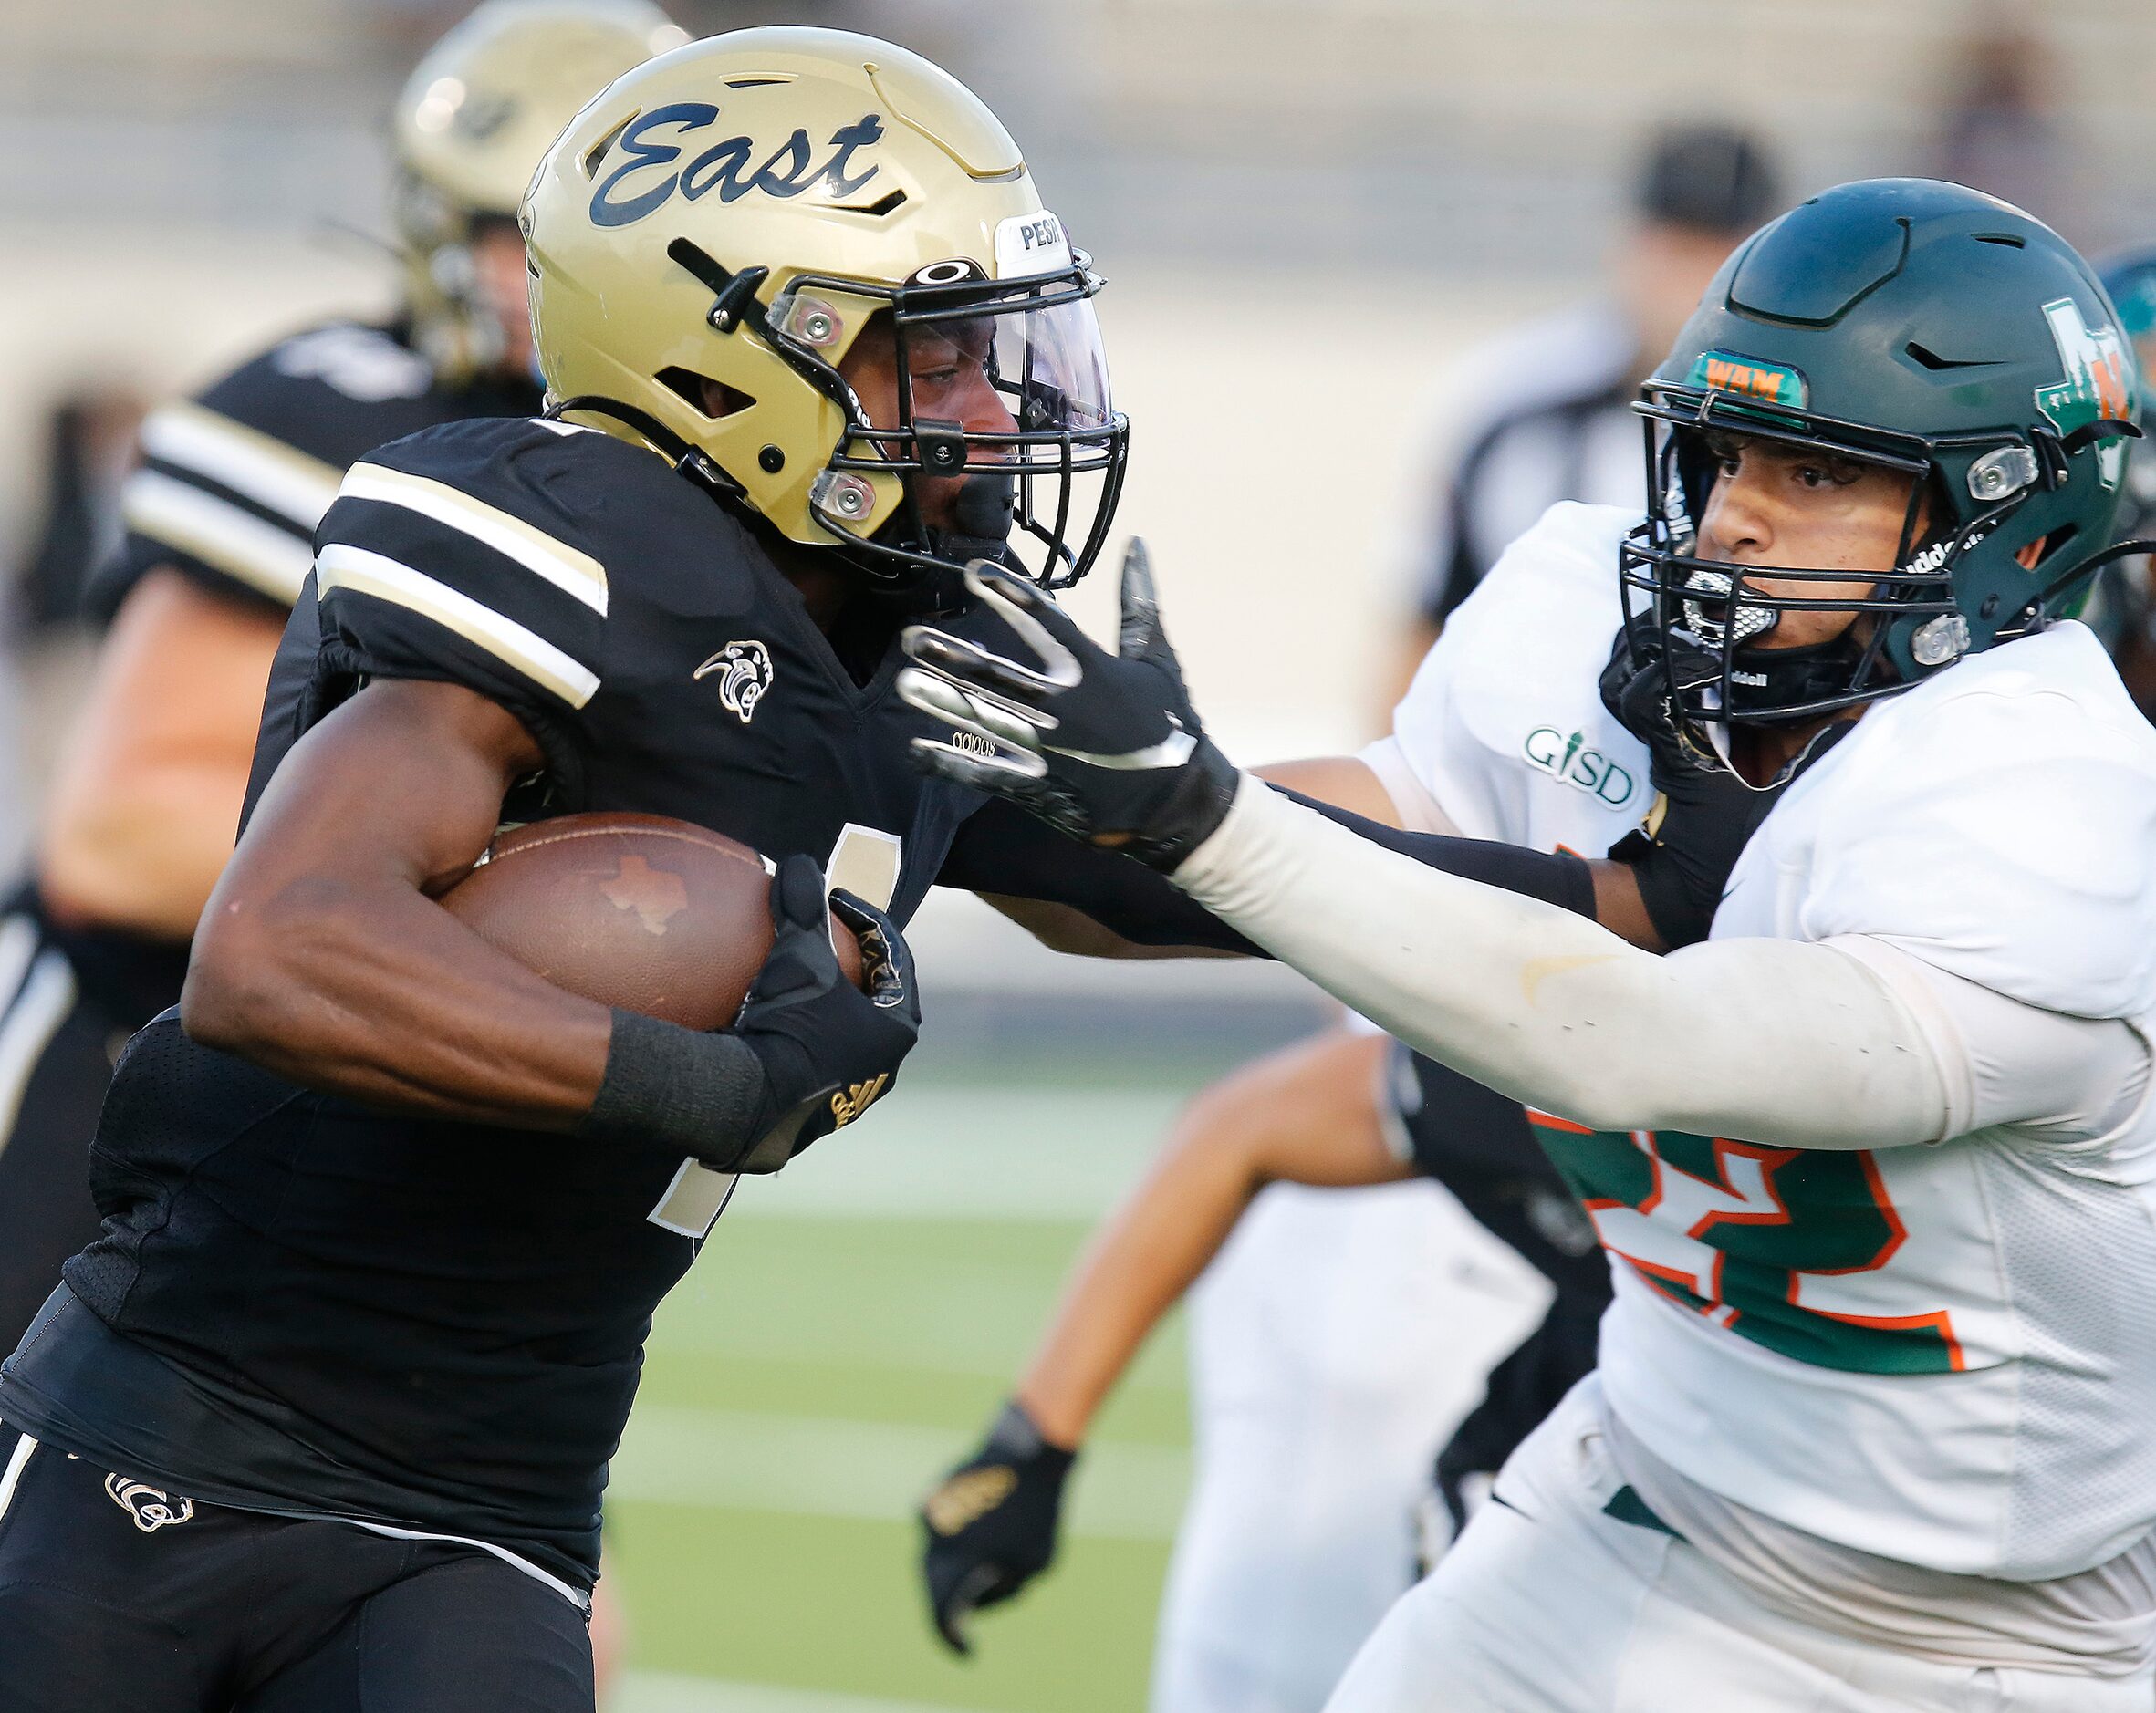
x: 1910, y: 323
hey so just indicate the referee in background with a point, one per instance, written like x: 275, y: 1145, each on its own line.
x: 1545, y: 412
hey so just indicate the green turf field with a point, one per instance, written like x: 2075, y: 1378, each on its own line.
x: 847, y: 1332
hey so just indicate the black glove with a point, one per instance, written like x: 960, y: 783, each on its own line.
x: 807, y: 1054
x: 991, y: 1523
x: 1703, y: 813
x: 826, y: 1047
x: 1105, y: 748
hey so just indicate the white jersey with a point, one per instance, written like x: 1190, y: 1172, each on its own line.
x: 1503, y: 734
x: 1942, y: 1355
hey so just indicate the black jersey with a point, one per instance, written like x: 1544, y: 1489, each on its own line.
x: 302, y: 1304
x: 233, y: 481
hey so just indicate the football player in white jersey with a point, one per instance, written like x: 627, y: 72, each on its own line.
x: 1876, y: 1163
x: 1300, y: 1534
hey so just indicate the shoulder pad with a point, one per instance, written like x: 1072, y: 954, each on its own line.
x: 458, y: 530
x: 1509, y: 691
x: 1996, y: 822
x: 233, y: 481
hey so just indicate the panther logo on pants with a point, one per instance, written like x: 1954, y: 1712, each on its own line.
x: 150, y: 1509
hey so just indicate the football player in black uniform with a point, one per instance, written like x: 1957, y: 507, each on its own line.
x: 386, y: 1214
x: 383, y: 1236
x: 221, y: 517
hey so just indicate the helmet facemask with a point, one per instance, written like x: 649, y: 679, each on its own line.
x: 1708, y: 620
x: 1025, y: 472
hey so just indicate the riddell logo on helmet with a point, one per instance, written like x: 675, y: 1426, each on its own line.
x: 784, y: 172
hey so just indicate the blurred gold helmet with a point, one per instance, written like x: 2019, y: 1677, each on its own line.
x: 471, y: 122
x: 717, y: 231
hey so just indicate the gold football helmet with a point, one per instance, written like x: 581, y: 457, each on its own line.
x: 810, y: 268
x: 471, y: 122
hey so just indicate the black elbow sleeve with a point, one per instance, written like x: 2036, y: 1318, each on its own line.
x: 1555, y: 877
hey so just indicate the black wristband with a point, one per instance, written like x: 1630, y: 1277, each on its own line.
x: 675, y: 1088
x: 1014, y: 1436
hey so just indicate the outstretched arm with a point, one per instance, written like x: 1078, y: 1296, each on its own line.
x: 1518, y: 994
x: 1786, y: 1042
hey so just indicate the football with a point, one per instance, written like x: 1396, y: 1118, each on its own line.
x: 650, y: 914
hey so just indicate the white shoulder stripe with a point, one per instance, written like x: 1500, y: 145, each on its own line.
x: 245, y: 459
x: 42, y: 1005
x: 341, y: 567
x: 265, y: 557
x: 15, y: 1459
x: 561, y: 565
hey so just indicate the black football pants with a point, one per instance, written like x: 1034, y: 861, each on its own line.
x: 117, y: 1599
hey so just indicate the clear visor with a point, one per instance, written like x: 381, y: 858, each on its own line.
x: 1023, y: 377
x: 1001, y: 420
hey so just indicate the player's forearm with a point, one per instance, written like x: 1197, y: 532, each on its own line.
x: 1136, y: 1267
x: 1769, y: 1041
x: 323, y: 958
x: 377, y: 994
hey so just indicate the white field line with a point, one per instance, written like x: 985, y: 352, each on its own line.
x: 871, y: 1471
x: 674, y: 1692
x: 950, y: 1151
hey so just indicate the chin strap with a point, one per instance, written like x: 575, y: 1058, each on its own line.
x: 2040, y: 608
x: 691, y: 461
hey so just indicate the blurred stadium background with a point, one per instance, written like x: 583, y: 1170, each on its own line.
x: 1308, y: 211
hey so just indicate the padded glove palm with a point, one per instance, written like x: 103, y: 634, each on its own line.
x: 1105, y: 748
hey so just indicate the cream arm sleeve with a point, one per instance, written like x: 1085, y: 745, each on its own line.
x: 1778, y: 1042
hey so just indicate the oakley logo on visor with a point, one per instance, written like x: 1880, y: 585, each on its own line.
x: 1777, y: 382
x: 635, y: 188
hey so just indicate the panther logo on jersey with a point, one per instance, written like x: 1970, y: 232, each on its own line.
x: 150, y: 1509
x: 747, y: 675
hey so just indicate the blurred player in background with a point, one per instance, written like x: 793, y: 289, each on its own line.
x: 1543, y: 413
x: 1339, y: 1336
x: 2122, y: 607
x: 221, y: 519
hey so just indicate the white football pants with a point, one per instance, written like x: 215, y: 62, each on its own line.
x: 1334, y: 1345
x: 1548, y: 1605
